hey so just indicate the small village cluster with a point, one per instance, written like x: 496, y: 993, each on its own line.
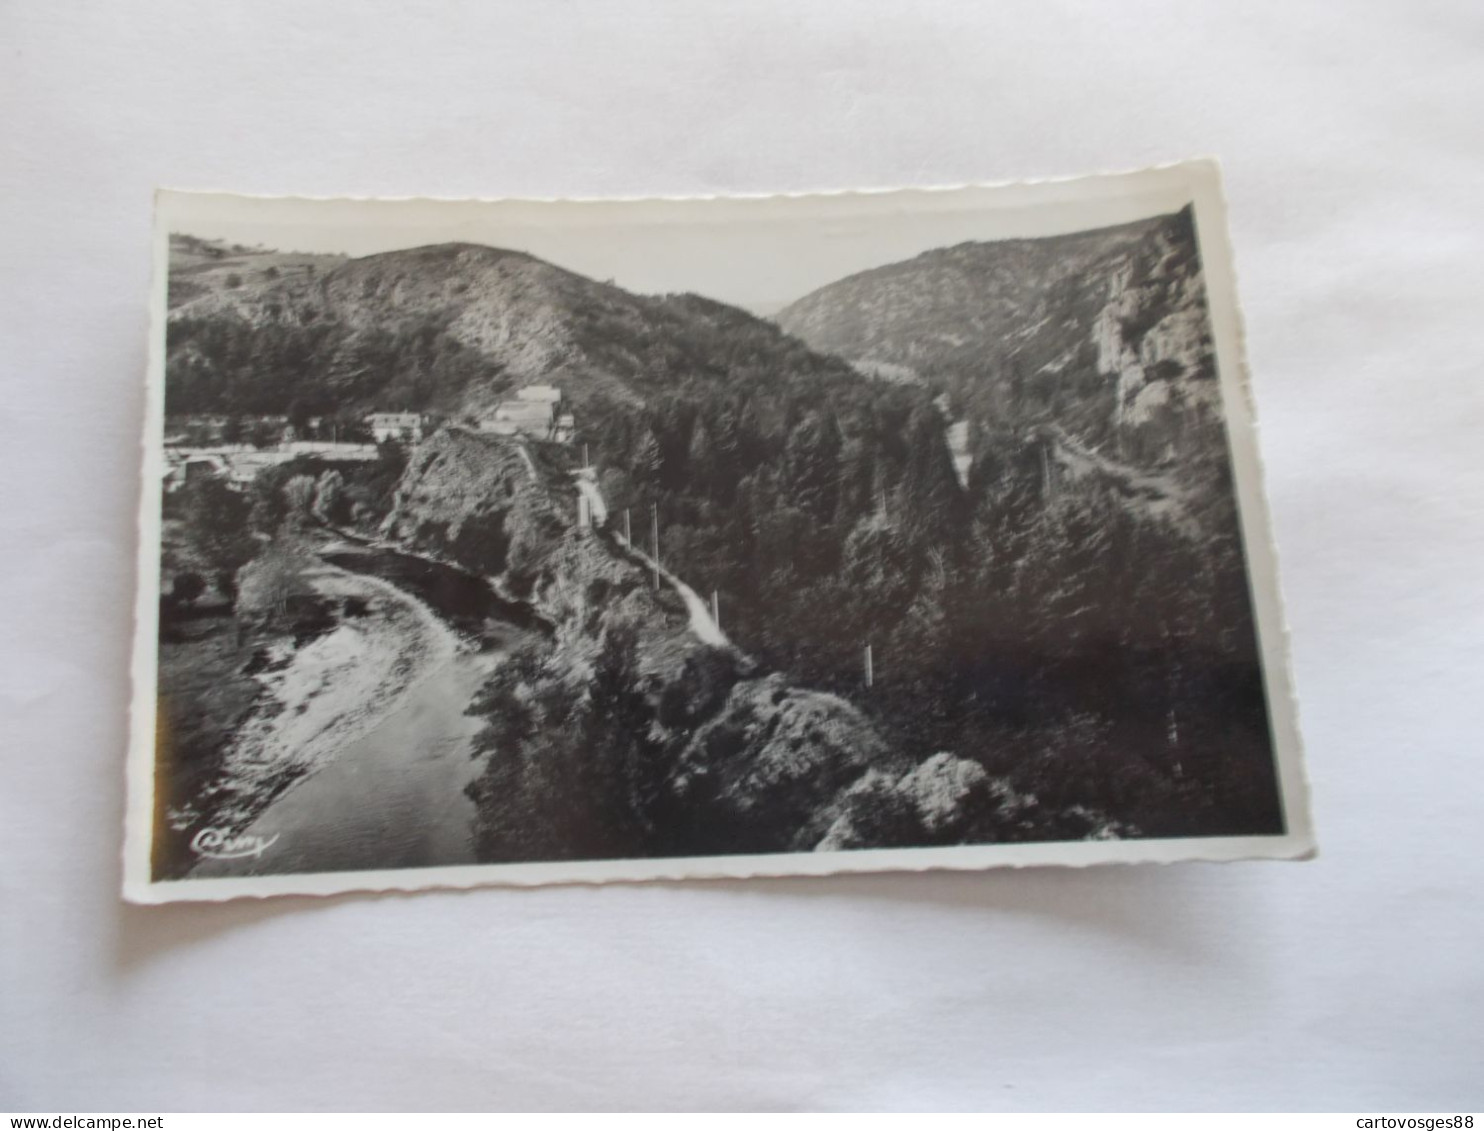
x: 200, y: 448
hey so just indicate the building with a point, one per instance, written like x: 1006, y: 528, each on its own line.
x: 328, y: 449
x: 532, y: 412
x: 238, y: 466
x: 181, y: 469
x: 532, y: 418
x: 404, y: 426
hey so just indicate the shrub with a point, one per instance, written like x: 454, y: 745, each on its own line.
x: 268, y: 584
x: 187, y: 587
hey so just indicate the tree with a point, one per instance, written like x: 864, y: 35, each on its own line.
x: 216, y: 520
x: 391, y: 459
x: 298, y: 414
x: 728, y: 436
x: 747, y: 436
x: 264, y: 435
x: 647, y: 462
x: 330, y: 500
x: 880, y: 564
x: 187, y: 587
x: 700, y: 459
x: 578, y: 775
x: 266, y: 585
x: 351, y: 428
x: 812, y: 461
x: 268, y: 504
x: 934, y: 498
x: 299, y: 494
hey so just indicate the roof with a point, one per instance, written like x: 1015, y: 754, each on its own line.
x: 524, y: 412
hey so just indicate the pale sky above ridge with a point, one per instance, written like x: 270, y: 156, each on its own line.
x: 758, y: 253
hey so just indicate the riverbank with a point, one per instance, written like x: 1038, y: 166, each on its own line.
x: 355, y: 753
x: 394, y: 797
x: 316, y: 699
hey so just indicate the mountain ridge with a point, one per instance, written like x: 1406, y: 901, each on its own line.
x: 1104, y: 332
x: 452, y: 328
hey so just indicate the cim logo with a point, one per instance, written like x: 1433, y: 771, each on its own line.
x: 218, y: 844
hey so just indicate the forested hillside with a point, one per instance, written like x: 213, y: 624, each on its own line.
x: 1074, y: 614
x: 451, y: 328
x: 620, y: 733
x: 1102, y: 333
x: 1061, y: 643
x: 1093, y: 650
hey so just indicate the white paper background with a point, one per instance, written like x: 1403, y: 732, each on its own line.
x: 1352, y: 144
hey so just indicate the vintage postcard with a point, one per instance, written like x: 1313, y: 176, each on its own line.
x: 545, y: 541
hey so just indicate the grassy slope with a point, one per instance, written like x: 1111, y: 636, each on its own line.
x: 204, y: 699
x: 201, y: 268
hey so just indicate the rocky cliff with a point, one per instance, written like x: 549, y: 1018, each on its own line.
x: 1102, y: 333
x: 622, y: 731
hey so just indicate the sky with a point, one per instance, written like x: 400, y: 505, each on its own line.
x: 759, y: 253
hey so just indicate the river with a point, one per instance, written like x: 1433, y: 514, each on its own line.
x: 393, y: 795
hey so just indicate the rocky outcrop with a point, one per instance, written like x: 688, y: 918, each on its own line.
x: 933, y: 803
x: 951, y: 800
x: 1103, y: 332
x: 745, y: 761
x: 769, y: 767
x: 478, y: 500
x: 657, y: 733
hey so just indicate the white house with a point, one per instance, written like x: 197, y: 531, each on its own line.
x: 532, y: 412
x: 531, y: 417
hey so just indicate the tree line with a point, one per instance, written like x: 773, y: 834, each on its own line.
x: 1029, y: 619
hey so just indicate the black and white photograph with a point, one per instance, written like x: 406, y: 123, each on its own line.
x: 667, y: 555
x: 529, y: 541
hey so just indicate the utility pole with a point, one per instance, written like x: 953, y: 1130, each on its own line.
x: 870, y: 669
x: 585, y: 464
x: 654, y: 525
x: 628, y: 531
x: 715, y: 610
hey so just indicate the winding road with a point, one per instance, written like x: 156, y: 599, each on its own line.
x: 702, y: 625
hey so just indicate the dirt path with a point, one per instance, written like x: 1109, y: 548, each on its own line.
x: 1157, y: 495
x: 702, y: 624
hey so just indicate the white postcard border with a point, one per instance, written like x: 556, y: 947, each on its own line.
x: 1059, y: 205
